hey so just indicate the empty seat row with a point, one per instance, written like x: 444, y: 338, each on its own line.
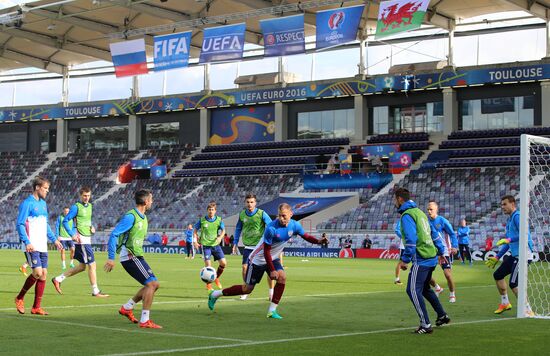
x: 401, y: 137
x: 273, y: 144
x: 306, y: 151
x: 499, y: 133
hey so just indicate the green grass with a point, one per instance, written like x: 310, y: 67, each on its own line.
x: 329, y: 307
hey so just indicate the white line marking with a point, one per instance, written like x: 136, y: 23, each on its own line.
x: 227, y: 300
x: 137, y: 331
x: 254, y: 343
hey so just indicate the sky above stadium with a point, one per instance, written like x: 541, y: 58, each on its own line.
x: 9, y: 3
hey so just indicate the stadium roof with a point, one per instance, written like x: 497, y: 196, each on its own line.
x: 54, y: 35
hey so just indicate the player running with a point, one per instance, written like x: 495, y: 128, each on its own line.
x: 251, y: 224
x: 34, y: 232
x: 127, y: 240
x: 509, y: 265
x: 265, y: 259
x: 65, y: 238
x: 212, y: 230
x: 445, y: 230
x: 81, y: 234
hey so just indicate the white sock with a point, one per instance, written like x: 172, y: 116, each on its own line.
x: 272, y: 307
x: 72, y: 261
x: 271, y: 292
x: 452, y: 294
x: 144, y: 316
x: 60, y: 278
x: 504, y: 299
x: 95, y: 289
x: 437, y: 287
x: 63, y: 263
x: 426, y: 325
x: 217, y: 293
x: 129, y: 305
x: 397, y: 279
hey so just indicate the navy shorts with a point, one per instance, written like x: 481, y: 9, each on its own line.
x: 401, y: 250
x: 138, y: 268
x: 509, y: 266
x: 446, y: 265
x: 67, y: 244
x: 246, y: 253
x: 215, y: 251
x: 254, y: 273
x: 37, y: 259
x: 84, y: 254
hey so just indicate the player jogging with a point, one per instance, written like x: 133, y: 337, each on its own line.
x: 251, y: 225
x: 421, y: 248
x: 65, y: 238
x: 509, y: 265
x: 127, y: 240
x: 212, y: 230
x: 464, y: 242
x: 34, y: 232
x: 265, y: 259
x: 443, y: 227
x: 81, y: 234
x: 190, y: 249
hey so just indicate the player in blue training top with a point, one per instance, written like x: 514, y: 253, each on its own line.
x: 509, y: 264
x: 444, y: 228
x: 81, y: 233
x: 65, y: 239
x: 265, y: 259
x: 189, y: 248
x: 422, y: 246
x: 397, y: 231
x: 127, y: 240
x: 34, y: 232
x: 251, y: 225
x: 464, y: 242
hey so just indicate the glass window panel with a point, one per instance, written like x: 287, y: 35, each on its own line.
x: 185, y: 80
x: 34, y: 92
x: 327, y: 125
x: 162, y: 134
x: 110, y: 87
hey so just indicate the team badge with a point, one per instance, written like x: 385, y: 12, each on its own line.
x: 290, y: 233
x: 34, y: 262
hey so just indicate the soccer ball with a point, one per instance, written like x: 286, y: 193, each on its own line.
x: 208, y: 274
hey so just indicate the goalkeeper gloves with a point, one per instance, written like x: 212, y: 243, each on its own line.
x: 491, y: 262
x: 503, y: 241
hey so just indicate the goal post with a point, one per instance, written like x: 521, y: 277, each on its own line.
x: 534, y: 205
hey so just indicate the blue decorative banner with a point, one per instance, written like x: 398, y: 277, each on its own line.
x: 283, y: 36
x: 142, y: 163
x: 301, y: 206
x: 401, y: 160
x: 223, y: 43
x: 337, y: 26
x: 380, y: 150
x: 240, y: 125
x: 353, y: 180
x: 158, y: 172
x: 172, y: 51
x: 291, y: 92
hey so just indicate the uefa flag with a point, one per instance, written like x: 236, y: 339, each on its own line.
x: 129, y: 58
x: 396, y: 16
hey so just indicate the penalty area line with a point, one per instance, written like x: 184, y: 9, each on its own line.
x: 305, y: 338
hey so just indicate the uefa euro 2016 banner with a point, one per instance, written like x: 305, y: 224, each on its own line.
x: 343, y: 87
x: 283, y: 36
x: 301, y: 206
x: 337, y: 26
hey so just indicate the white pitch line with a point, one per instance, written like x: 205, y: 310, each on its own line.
x: 137, y: 331
x: 305, y: 338
x: 225, y: 300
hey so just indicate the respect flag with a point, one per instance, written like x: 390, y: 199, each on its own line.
x: 129, y: 58
x: 283, y: 36
x: 396, y: 16
x: 337, y: 26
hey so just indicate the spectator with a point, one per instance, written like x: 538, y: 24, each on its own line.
x: 324, y: 244
x: 488, y: 243
x: 348, y: 242
x: 164, y: 239
x: 226, y: 240
x: 367, y: 242
x: 154, y: 239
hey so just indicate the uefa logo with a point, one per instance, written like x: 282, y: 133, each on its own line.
x: 336, y: 20
x: 270, y: 39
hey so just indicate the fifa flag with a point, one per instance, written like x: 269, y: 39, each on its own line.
x: 337, y: 26
x: 283, y: 36
x: 396, y: 16
x: 129, y: 58
x: 172, y: 51
x: 224, y: 43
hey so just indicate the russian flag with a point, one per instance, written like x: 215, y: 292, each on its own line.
x: 129, y: 58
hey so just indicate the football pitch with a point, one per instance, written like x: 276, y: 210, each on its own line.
x: 330, y: 306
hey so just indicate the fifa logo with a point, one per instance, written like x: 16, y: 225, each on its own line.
x: 336, y: 20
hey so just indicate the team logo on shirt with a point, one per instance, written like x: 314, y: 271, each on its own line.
x: 140, y: 225
x: 290, y: 233
x: 34, y: 262
x: 438, y: 226
x: 205, y: 225
x: 245, y: 220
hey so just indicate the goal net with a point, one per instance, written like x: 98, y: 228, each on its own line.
x: 534, y: 279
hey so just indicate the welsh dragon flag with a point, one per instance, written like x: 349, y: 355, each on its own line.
x: 400, y: 15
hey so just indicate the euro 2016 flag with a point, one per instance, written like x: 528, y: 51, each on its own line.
x: 283, y: 36
x: 129, y: 58
x: 396, y: 16
x: 337, y: 26
x: 172, y: 51
x: 223, y: 43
